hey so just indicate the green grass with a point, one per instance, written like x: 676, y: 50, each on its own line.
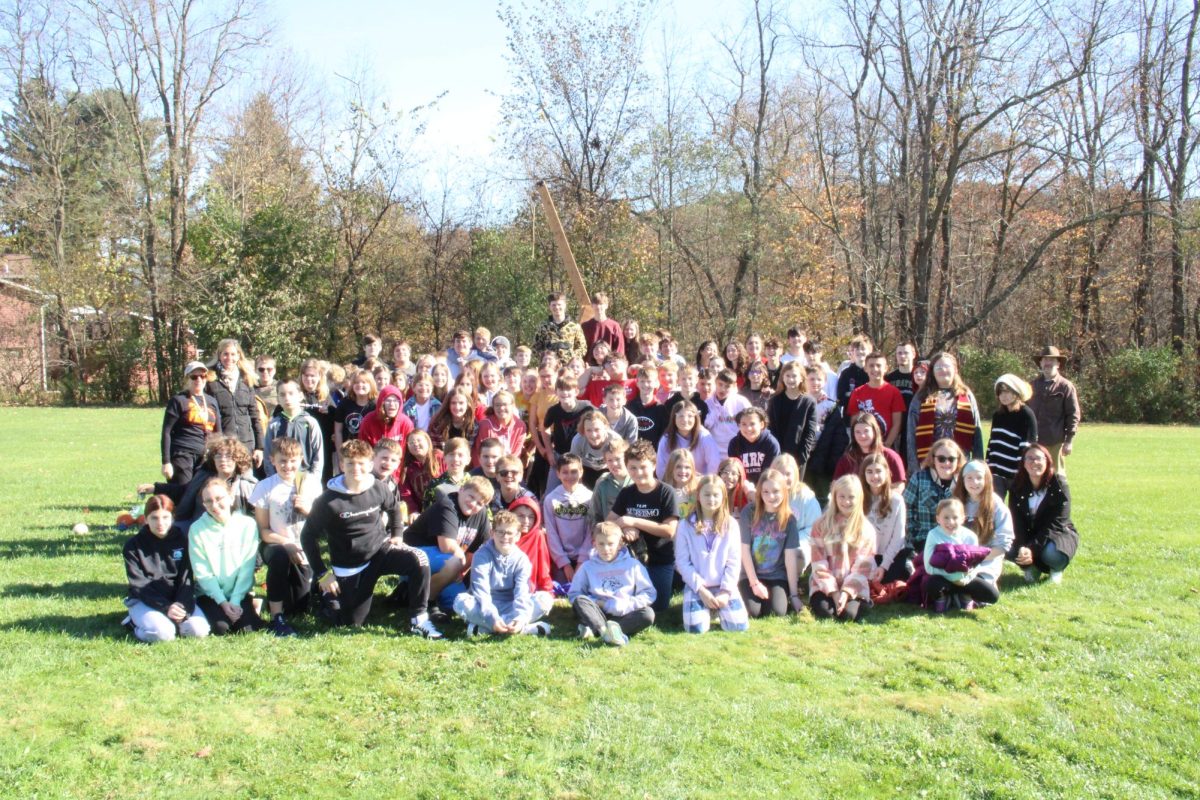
x: 1089, y: 689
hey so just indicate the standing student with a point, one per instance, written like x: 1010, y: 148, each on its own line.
x: 770, y: 543
x: 161, y: 599
x: 987, y: 516
x: 738, y: 361
x: 402, y: 359
x: 963, y: 587
x: 188, y: 420
x: 456, y: 457
x: 558, y: 335
x: 1055, y: 403
x: 706, y: 352
x: 502, y: 424
x: 853, y: 374
x: 902, y: 378
x: 499, y: 600
x: 422, y: 406
x: 771, y: 352
x: 386, y: 421
x: 708, y: 559
x: 291, y: 420
x: 349, y: 414
x: 943, y: 408
x: 754, y: 444
x: 612, y: 595
x: 723, y: 407
x: 884, y: 507
x: 458, y: 354
x: 509, y: 487
x: 610, y: 484
x: 372, y: 346
x: 223, y: 549
x: 602, y: 329
x: 320, y: 403
x: 648, y: 514
x: 866, y: 438
x: 1045, y: 538
x: 651, y: 415
x: 792, y: 415
x: 589, y: 445
x: 233, y: 390
x: 561, y: 422
x: 266, y: 390
x: 449, y: 531
x: 281, y: 505
x: 620, y: 419
x: 442, y: 379
x: 565, y: 511
x: 880, y: 399
x: 796, y: 339
x: 420, y: 466
x: 843, y: 553
x: 685, y: 431
x: 929, y: 486
x: 349, y: 516
x: 455, y: 420
x: 758, y: 385
x: 1014, y: 429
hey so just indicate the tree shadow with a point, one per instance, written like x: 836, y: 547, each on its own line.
x: 80, y: 590
x: 101, y: 508
x: 95, y: 626
x: 106, y: 541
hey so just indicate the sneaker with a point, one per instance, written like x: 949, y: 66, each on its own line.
x: 941, y: 605
x: 280, y: 627
x: 1056, y: 576
x: 128, y: 623
x: 970, y: 605
x: 585, y: 632
x: 537, y: 629
x: 612, y: 634
x: 1031, y: 575
x: 329, y: 609
x: 423, y: 626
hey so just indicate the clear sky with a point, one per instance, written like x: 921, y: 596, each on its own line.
x: 421, y: 49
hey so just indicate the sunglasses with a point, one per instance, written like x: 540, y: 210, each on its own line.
x: 266, y: 369
x: 508, y: 473
x: 197, y: 377
x: 946, y: 459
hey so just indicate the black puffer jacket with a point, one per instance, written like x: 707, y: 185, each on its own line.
x: 239, y: 411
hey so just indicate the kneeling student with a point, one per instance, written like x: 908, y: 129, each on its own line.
x: 611, y: 593
x: 500, y: 600
x: 161, y: 601
x: 349, y: 515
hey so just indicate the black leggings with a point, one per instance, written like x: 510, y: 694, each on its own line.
x: 184, y: 466
x: 287, y: 583
x: 776, y: 603
x: 358, y: 590
x: 979, y: 590
x: 220, y: 622
x: 588, y: 612
x: 901, y: 566
x: 823, y: 607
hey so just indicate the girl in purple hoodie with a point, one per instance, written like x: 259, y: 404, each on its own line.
x: 708, y: 558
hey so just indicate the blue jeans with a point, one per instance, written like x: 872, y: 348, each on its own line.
x: 662, y: 576
x: 437, y: 560
x: 1051, y: 560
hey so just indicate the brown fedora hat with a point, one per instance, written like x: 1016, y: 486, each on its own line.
x: 1050, y: 351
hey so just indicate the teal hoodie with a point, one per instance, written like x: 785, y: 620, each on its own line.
x: 223, y: 557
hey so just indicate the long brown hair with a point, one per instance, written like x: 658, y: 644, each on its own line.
x: 958, y: 386
x: 693, y: 438
x: 985, y: 519
x: 883, y: 505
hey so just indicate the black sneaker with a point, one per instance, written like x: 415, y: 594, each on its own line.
x: 329, y: 610
x: 280, y: 627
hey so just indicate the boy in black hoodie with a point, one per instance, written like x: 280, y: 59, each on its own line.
x: 161, y: 601
x: 349, y: 515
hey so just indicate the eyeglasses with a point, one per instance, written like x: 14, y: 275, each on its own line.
x: 946, y: 459
x: 508, y: 473
x: 197, y: 377
x: 266, y: 369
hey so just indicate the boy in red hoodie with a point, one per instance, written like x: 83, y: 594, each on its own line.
x: 387, y: 422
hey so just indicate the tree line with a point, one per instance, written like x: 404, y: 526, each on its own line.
x: 990, y: 174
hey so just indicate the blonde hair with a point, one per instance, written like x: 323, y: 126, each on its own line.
x: 760, y: 509
x: 720, y: 519
x: 322, y: 374
x: 678, y: 456
x: 985, y: 515
x: 244, y: 365
x: 836, y: 532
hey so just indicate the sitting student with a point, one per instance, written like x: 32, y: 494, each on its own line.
x: 612, y: 594
x: 681, y: 476
x: 349, y: 515
x: 741, y: 491
x: 291, y: 420
x: 455, y: 459
x: 448, y: 531
x: 590, y: 443
x: 843, y: 555
x: 611, y: 482
x: 1045, y: 538
x: 651, y: 415
x: 647, y: 513
x: 499, y: 600
x: 508, y: 474
x: 885, y: 510
x: 161, y: 599
x: 987, y: 516
x: 962, y: 587
x: 281, y: 505
x: 224, y: 457
x: 770, y: 544
x: 503, y: 425
x: 803, y: 504
x: 419, y: 467
x: 533, y: 542
x: 754, y: 444
x: 223, y: 548
x: 620, y: 419
x: 422, y: 406
x: 565, y: 510
x: 708, y: 558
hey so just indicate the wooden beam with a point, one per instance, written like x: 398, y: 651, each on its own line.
x: 565, y: 254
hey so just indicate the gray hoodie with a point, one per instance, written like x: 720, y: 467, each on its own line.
x: 500, y: 584
x: 620, y: 586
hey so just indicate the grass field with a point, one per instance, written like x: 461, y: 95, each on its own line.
x: 1088, y: 689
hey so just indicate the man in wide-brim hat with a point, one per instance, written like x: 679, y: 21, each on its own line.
x: 1055, y: 403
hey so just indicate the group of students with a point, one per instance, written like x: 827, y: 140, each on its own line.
x: 490, y: 480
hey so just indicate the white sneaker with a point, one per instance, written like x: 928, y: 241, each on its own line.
x: 537, y: 629
x: 1031, y: 575
x: 423, y: 626
x: 585, y: 632
x: 1056, y: 576
x: 612, y: 634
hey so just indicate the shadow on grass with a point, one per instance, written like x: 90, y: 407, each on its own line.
x: 99, y: 626
x: 102, y: 541
x: 100, y: 508
x: 81, y: 590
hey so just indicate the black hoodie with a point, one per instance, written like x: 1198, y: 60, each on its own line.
x: 351, y: 523
x: 159, y: 571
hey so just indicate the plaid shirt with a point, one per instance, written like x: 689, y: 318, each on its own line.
x: 921, y: 495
